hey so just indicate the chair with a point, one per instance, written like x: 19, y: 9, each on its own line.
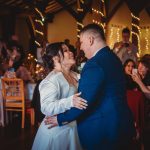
x: 14, y: 99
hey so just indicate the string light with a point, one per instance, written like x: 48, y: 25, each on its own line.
x: 110, y: 37
x: 78, y: 36
x: 136, y: 34
x: 118, y: 30
x: 101, y: 14
x: 146, y: 39
x: 40, y: 14
x: 78, y: 30
x: 39, y: 21
x: 80, y: 24
x: 135, y: 26
x: 99, y: 23
x: 39, y: 32
x: 97, y: 12
x: 37, y: 43
x: 79, y: 9
x: 138, y: 38
x: 35, y: 59
x: 82, y: 1
x: 137, y: 18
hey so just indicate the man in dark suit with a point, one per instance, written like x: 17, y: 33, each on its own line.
x: 107, y: 122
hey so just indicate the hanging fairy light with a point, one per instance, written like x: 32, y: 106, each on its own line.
x: 80, y: 24
x: 118, y: 35
x: 136, y: 26
x: 133, y: 16
x: 80, y: 10
x: 97, y: 12
x: 99, y: 23
x: 138, y: 38
x: 110, y: 37
x: 39, y: 12
x: 39, y: 32
x: 136, y: 34
x: 39, y: 21
x: 37, y: 43
x: 101, y: 14
x: 146, y: 40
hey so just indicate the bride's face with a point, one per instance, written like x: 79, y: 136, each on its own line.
x: 68, y: 58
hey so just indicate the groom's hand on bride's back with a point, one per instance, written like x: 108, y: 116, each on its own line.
x: 51, y: 121
x: 79, y: 102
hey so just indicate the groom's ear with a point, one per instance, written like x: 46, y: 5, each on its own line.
x: 91, y: 38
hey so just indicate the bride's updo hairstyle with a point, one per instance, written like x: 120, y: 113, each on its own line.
x: 52, y: 50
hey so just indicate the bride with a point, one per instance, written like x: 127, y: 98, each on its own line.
x: 57, y: 95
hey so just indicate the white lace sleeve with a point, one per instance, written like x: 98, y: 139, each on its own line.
x: 50, y: 104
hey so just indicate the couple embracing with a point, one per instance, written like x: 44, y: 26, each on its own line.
x: 97, y: 117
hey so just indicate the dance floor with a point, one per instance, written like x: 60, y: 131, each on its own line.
x: 13, y: 137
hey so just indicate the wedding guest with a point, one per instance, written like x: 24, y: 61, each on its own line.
x: 142, y: 77
x: 125, y: 49
x: 129, y: 65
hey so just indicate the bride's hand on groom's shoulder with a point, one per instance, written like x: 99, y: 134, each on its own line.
x: 79, y: 102
x: 51, y: 121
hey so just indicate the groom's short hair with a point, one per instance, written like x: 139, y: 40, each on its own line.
x: 94, y: 29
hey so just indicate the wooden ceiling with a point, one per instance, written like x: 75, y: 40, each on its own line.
x: 49, y: 6
x: 54, y: 6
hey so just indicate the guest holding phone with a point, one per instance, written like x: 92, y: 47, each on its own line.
x: 129, y: 68
x: 142, y: 77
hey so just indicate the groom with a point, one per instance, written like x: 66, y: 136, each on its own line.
x: 107, y: 123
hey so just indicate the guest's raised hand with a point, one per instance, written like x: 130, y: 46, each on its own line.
x: 79, y: 102
x: 136, y: 77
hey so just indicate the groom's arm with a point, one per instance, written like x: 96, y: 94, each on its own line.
x: 90, y: 85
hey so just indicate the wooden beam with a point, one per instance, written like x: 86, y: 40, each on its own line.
x: 86, y: 8
x: 114, y: 10
x: 107, y: 3
x: 68, y: 8
x: 148, y: 10
x: 136, y: 6
x: 42, y: 5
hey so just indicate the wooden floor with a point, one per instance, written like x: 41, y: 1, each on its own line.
x: 13, y: 137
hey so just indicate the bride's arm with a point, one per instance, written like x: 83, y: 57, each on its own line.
x: 51, y: 104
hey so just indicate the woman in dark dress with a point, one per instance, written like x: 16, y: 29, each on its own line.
x: 129, y: 65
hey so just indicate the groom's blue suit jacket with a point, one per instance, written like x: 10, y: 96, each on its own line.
x: 107, y: 121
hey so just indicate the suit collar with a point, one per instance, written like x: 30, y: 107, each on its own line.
x: 101, y: 51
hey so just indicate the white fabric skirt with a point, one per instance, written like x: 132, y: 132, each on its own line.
x: 57, y: 138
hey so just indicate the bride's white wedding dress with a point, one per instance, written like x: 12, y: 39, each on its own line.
x: 56, y: 95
